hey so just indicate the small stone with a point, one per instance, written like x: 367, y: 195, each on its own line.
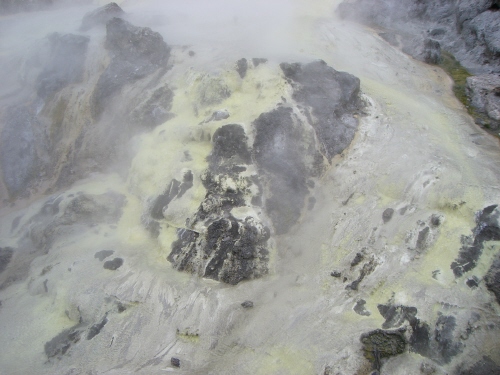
x: 103, y: 254
x: 176, y: 362
x: 335, y: 274
x: 114, y: 264
x: 247, y: 304
x: 472, y: 282
x: 436, y: 220
x: 387, y: 214
x: 357, y: 260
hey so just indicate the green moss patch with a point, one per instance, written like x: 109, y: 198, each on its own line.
x: 459, y: 75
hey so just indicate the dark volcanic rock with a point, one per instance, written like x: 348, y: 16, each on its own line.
x: 65, y: 65
x: 60, y: 344
x: 5, y: 257
x: 101, y: 16
x: 176, y: 362
x: 333, y: 98
x: 135, y: 52
x: 447, y: 348
x: 360, y: 309
x: 242, y: 67
x: 230, y: 249
x: 367, y: 269
x: 114, y: 264
x: 96, y: 328
x: 492, y: 278
x: 395, y: 316
x: 247, y: 304
x: 279, y: 151
x: 103, y: 254
x: 380, y: 344
x: 487, y: 229
x: 387, y: 215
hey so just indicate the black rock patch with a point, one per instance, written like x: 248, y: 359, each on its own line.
x: 395, y: 316
x: 5, y: 257
x: 333, y: 98
x: 247, y: 304
x: 359, y: 308
x: 231, y: 249
x: 279, y: 152
x: 357, y: 259
x: 472, y: 282
x: 242, y: 67
x: 103, y: 254
x: 492, y: 278
x: 387, y: 215
x: 176, y: 362
x: 114, y: 264
x: 60, y: 344
x: 487, y: 229
x: 367, y: 269
x: 96, y: 328
x: 443, y: 335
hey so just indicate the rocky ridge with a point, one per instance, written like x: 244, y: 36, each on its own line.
x: 430, y: 31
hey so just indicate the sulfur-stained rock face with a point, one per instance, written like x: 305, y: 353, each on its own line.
x: 293, y: 143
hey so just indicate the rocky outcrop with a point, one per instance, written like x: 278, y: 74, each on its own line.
x: 101, y: 16
x: 136, y: 52
x: 227, y: 248
x: 331, y: 99
x: 46, y: 140
x: 293, y: 144
x: 469, y: 30
x: 487, y: 229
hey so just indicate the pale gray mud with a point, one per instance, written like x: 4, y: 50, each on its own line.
x: 261, y: 189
